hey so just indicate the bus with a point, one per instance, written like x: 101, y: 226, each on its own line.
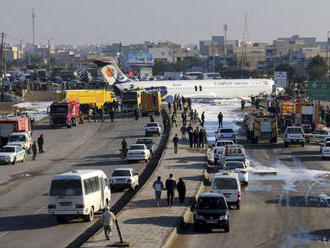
x: 79, y: 193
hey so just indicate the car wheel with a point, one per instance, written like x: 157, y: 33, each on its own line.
x: 14, y: 161
x: 302, y: 144
x: 129, y: 161
x: 286, y: 144
x: 227, y: 228
x: 90, y: 216
x: 323, y: 158
x: 197, y: 227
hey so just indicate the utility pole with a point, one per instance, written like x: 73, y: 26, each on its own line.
x: 33, y: 33
x: 2, y: 53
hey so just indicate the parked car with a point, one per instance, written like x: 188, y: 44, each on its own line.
x: 21, y: 139
x: 240, y: 168
x: 227, y: 183
x: 153, y: 128
x: 324, y: 143
x: 326, y: 150
x: 122, y: 178
x: 294, y: 135
x: 225, y: 134
x: 148, y: 142
x: 317, y: 136
x: 211, y: 210
x: 138, y: 152
x: 12, y: 154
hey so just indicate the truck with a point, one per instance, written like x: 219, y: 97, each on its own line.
x: 21, y: 139
x: 233, y: 153
x: 87, y: 98
x: 262, y: 127
x: 64, y: 114
x: 307, y: 114
x: 151, y: 102
x: 130, y: 100
x: 21, y: 123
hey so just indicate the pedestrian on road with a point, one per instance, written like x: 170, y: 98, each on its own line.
x: 176, y: 141
x: 112, y: 115
x: 41, y: 143
x: 136, y: 114
x: 170, y: 185
x: 90, y: 114
x: 174, y: 120
x: 34, y: 150
x: 201, y: 138
x: 183, y: 132
x: 158, y: 187
x: 196, y: 136
x: 169, y: 107
x: 151, y: 118
x: 191, y: 115
x: 108, y: 218
x: 203, y: 118
x: 181, y: 187
x: 184, y: 117
x: 195, y: 116
x: 242, y: 104
x: 220, y: 118
x: 191, y: 135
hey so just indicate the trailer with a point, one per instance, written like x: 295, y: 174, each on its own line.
x: 151, y: 102
x: 21, y: 123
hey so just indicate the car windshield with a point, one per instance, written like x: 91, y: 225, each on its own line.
x: 226, y: 130
x: 234, y: 165
x: 15, y: 138
x: 7, y: 149
x: 64, y: 187
x: 211, y: 203
x: 144, y: 141
x: 294, y: 130
x: 152, y: 125
x: 137, y: 147
x: 121, y: 173
x: 225, y: 183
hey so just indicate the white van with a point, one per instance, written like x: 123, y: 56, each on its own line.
x: 227, y: 183
x: 78, y: 193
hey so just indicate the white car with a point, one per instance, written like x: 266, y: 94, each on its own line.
x: 240, y: 168
x: 21, y: 139
x: 225, y: 134
x: 12, y: 154
x: 294, y: 135
x: 124, y: 178
x: 326, y: 150
x: 138, y: 152
x: 153, y: 128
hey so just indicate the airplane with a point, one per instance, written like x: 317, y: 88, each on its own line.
x: 211, y: 88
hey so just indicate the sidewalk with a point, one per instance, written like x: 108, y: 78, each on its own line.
x: 141, y: 222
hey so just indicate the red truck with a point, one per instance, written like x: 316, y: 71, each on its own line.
x: 64, y: 114
x: 11, y: 124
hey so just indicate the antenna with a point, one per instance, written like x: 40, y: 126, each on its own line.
x: 244, y: 43
x: 33, y: 32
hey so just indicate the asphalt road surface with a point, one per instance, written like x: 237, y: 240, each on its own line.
x: 24, y: 221
x: 287, y: 209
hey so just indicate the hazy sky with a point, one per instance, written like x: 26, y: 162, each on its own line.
x: 182, y: 21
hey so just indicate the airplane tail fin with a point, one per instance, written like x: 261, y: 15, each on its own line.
x: 112, y: 72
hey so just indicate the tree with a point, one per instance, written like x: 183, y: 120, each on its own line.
x: 317, y: 68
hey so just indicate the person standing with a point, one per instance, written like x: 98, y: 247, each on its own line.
x: 201, y: 138
x: 170, y: 185
x: 158, y: 187
x: 181, y: 187
x: 176, y: 141
x: 112, y: 115
x: 191, y: 135
x: 136, y: 114
x: 203, y: 118
x: 242, y: 104
x: 220, y: 118
x: 183, y: 132
x: 41, y: 143
x: 174, y: 120
x: 169, y: 106
x: 108, y: 218
x: 184, y: 117
x: 34, y: 150
x: 196, y: 135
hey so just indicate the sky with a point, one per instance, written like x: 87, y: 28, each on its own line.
x: 181, y: 21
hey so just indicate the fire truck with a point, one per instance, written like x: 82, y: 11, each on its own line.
x: 64, y: 114
x: 11, y: 124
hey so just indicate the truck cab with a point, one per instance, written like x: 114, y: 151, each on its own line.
x: 64, y: 114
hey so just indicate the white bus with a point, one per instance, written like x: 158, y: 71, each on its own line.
x: 78, y: 193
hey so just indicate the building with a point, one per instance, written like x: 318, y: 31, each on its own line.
x: 165, y: 51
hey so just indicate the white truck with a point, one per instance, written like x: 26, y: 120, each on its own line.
x: 294, y: 135
x: 21, y: 139
x: 218, y: 149
x: 225, y: 134
x: 234, y: 153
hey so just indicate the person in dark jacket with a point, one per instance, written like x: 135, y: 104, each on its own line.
x: 112, y: 115
x: 170, y: 185
x: 202, y: 119
x: 181, y: 187
x: 176, y: 141
x: 201, y: 138
x: 136, y: 114
x: 151, y: 118
x: 41, y: 143
x: 34, y: 150
x: 183, y: 131
x: 196, y: 136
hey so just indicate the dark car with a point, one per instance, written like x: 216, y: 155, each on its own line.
x: 148, y: 142
x: 211, y: 210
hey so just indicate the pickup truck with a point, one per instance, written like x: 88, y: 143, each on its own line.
x: 225, y: 134
x: 21, y: 139
x: 218, y: 149
x: 234, y: 153
x: 294, y: 135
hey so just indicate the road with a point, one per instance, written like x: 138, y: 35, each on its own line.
x: 24, y: 221
x: 289, y: 209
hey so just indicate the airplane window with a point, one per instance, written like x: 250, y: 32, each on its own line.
x: 200, y: 88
